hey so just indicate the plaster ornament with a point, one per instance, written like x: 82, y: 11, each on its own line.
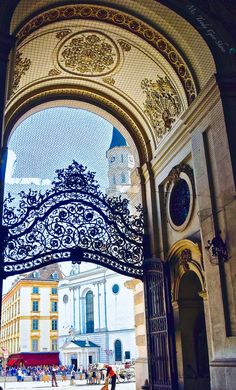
x: 162, y: 105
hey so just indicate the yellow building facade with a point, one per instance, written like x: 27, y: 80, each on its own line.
x: 30, y: 313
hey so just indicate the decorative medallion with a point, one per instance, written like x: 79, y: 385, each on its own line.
x: 21, y: 67
x: 162, y: 104
x: 53, y: 72
x: 63, y: 33
x: 116, y: 18
x: 180, y: 193
x: 88, y: 53
x: 109, y: 80
x: 125, y: 46
x: 185, y: 258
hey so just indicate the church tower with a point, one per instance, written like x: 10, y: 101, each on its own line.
x: 120, y: 165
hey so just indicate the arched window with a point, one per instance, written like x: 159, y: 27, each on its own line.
x: 118, y: 351
x: 89, y: 313
x: 114, y: 180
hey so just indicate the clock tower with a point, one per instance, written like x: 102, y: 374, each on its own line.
x: 120, y: 165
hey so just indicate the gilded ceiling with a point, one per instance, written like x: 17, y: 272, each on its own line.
x: 108, y: 53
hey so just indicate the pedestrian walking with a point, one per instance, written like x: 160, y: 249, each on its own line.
x: 54, y: 379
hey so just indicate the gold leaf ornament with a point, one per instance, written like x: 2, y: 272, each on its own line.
x: 162, y: 104
x: 89, y: 54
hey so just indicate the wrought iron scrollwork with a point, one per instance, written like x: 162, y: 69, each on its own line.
x: 73, y: 221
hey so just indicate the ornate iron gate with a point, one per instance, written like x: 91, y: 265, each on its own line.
x: 75, y: 221
x: 160, y: 328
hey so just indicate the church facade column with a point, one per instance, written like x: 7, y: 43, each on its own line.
x: 79, y: 310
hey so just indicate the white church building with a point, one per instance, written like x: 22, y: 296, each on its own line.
x: 96, y: 310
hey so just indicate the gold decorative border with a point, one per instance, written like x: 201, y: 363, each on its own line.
x: 123, y: 20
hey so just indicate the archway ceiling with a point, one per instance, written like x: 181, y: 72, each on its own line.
x: 135, y: 67
x: 183, y: 36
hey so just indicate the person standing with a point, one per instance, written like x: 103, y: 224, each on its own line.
x: 111, y: 374
x: 54, y: 378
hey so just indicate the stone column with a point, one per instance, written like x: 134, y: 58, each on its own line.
x: 79, y: 309
x: 149, y: 203
x: 179, y: 354
x: 82, y: 305
x: 227, y: 86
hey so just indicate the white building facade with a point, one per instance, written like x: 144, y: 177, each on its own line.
x: 94, y: 305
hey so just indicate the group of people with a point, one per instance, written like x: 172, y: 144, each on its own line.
x: 93, y: 374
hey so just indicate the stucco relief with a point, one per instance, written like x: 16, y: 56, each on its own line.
x: 162, y: 105
x: 122, y: 20
x: 22, y: 65
x: 88, y: 53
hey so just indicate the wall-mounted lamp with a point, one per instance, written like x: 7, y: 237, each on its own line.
x: 217, y: 249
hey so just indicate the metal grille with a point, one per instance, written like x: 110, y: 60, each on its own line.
x: 74, y: 221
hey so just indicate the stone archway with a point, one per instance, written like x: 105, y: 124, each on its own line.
x: 188, y: 299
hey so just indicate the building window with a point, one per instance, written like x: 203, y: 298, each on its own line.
x: 36, y: 274
x: 127, y: 355
x: 35, y: 324
x: 114, y: 180
x: 54, y: 324
x: 35, y: 345
x: 54, y: 306
x: 122, y: 158
x: 115, y: 288
x: 89, y: 312
x: 55, y: 275
x: 65, y: 298
x: 123, y: 178
x: 35, y: 306
x: 35, y: 290
x: 54, y: 290
x: 118, y: 351
x: 54, y: 345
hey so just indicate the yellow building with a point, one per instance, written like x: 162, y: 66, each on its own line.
x: 30, y: 312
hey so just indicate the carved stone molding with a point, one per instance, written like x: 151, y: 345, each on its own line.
x: 109, y: 80
x: 185, y: 258
x: 162, y: 104
x: 122, y: 20
x: 80, y: 94
x: 53, y: 72
x: 88, y: 53
x: 174, y: 176
x: 21, y: 67
x: 203, y: 294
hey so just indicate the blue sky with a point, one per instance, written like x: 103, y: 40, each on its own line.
x: 52, y: 138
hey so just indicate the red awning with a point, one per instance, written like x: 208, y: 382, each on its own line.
x: 13, y: 361
x: 34, y: 359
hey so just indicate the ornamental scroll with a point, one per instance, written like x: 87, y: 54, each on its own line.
x: 73, y: 221
x: 162, y: 105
